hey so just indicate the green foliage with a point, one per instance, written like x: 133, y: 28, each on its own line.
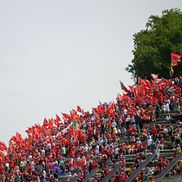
x: 153, y: 46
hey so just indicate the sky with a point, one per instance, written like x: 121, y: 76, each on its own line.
x: 55, y: 55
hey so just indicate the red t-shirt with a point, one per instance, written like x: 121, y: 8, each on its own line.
x: 154, y: 131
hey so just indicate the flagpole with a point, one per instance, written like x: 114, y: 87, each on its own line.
x: 171, y: 72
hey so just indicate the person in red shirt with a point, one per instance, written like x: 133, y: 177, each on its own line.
x: 123, y: 177
x: 154, y: 130
x: 1, y: 168
x: 107, y: 171
x: 94, y: 164
x: 72, y: 152
x: 123, y: 159
x: 71, y: 163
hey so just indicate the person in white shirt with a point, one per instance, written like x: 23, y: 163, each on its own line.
x: 114, y: 124
x: 125, y: 112
x: 166, y: 107
x: 149, y: 140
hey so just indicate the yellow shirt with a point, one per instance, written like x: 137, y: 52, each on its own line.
x: 115, y: 130
x: 178, y: 150
x: 180, y: 163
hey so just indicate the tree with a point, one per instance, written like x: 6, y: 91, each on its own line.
x: 153, y: 46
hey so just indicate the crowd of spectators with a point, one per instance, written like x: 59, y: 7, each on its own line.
x: 72, y: 146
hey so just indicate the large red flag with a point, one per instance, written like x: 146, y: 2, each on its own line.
x: 175, y: 59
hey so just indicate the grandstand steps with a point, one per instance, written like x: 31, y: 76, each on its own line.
x: 168, y: 152
x: 167, y: 169
x: 165, y: 153
x: 141, y: 166
x: 165, y: 123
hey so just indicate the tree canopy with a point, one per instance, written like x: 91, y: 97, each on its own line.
x: 153, y: 46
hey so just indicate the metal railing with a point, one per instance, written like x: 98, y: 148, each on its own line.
x: 169, y: 167
x: 138, y: 170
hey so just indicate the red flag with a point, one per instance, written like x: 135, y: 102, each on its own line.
x: 57, y: 120
x: 45, y: 123
x: 123, y: 87
x: 74, y: 115
x: 140, y: 81
x: 28, y: 143
x: 175, y: 59
x: 50, y: 123
x: 79, y: 109
x: 99, y: 109
x: 135, y: 91
x: 66, y: 116
x: 36, y: 131
x: 131, y: 88
x: 18, y: 139
x: 29, y: 131
x: 73, y: 132
x: 64, y: 139
x: 111, y: 109
x: 146, y: 83
x: 2, y: 146
x: 143, y: 90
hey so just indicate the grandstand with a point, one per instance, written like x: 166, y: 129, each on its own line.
x: 136, y: 138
